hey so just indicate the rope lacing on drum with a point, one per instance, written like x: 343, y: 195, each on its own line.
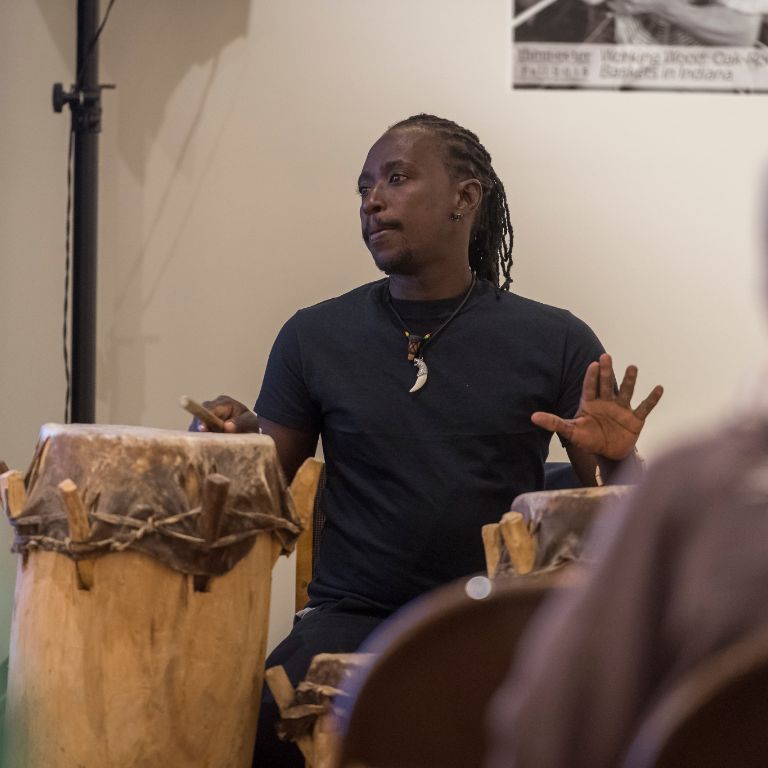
x: 150, y: 525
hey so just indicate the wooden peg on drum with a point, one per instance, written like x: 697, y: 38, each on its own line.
x: 213, y: 504
x: 284, y: 695
x: 79, y: 527
x: 492, y: 547
x: 13, y: 492
x: 210, y: 419
x: 215, y: 490
x: 520, y: 544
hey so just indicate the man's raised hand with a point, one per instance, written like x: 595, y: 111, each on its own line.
x: 605, y: 424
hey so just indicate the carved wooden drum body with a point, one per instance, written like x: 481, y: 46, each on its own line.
x: 142, y: 644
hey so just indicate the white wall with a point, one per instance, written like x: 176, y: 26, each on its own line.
x: 229, y: 157
x: 35, y: 50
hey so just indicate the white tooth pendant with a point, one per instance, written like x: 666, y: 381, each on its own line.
x: 421, y: 376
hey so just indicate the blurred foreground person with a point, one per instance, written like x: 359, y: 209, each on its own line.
x: 682, y: 573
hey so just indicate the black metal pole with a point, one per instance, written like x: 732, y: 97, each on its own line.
x: 86, y: 123
x: 84, y: 100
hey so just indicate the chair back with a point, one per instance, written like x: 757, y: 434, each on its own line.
x: 305, y: 491
x: 718, y: 716
x: 438, y: 661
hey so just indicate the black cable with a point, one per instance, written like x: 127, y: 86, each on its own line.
x: 68, y: 244
x: 67, y: 267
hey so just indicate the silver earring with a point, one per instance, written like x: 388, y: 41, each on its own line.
x: 457, y: 216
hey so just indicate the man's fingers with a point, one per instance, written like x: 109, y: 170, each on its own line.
x: 606, y: 377
x: 553, y: 423
x: 591, y: 377
x: 649, y: 403
x: 225, y: 407
x: 627, y: 388
x: 245, y: 422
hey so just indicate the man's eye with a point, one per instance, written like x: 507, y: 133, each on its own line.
x: 396, y: 178
x: 362, y: 191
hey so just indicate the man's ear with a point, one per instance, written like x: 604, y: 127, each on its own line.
x: 470, y: 195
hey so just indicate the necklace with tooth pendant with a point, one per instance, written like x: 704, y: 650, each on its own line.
x: 416, y: 343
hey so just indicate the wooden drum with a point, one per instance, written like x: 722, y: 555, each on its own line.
x: 544, y: 530
x: 142, y: 597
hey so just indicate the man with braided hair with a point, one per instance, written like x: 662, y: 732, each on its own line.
x: 435, y: 391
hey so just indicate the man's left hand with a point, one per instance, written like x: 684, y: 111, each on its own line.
x: 605, y: 424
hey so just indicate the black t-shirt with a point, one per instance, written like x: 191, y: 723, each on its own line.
x: 412, y: 477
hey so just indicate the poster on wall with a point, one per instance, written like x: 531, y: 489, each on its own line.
x: 705, y: 45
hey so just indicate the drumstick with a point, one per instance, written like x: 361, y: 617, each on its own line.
x: 211, y: 420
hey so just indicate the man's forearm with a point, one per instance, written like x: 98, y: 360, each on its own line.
x: 595, y: 470
x: 628, y: 470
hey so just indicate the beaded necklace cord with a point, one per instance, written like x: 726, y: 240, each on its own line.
x: 417, y: 343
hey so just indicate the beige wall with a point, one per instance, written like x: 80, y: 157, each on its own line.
x: 229, y: 156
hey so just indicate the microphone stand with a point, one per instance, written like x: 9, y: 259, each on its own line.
x: 84, y: 100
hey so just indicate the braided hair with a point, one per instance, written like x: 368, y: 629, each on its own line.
x: 490, y: 247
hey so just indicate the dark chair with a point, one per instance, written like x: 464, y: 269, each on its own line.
x: 422, y: 702
x: 716, y: 718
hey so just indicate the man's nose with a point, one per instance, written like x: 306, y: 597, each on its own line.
x: 374, y: 201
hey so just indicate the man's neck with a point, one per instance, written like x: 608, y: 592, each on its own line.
x: 422, y: 288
